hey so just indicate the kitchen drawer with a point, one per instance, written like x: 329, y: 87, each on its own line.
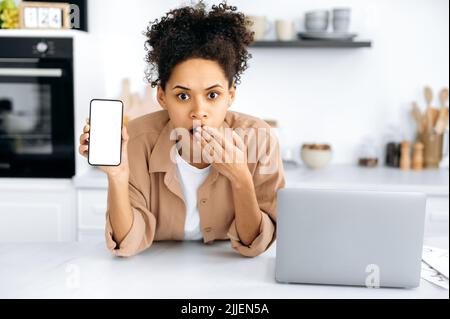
x: 37, y: 211
x: 438, y: 208
x: 437, y: 218
x: 91, y: 235
x: 92, y: 209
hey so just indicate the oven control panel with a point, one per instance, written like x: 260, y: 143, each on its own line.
x: 43, y: 47
x: 37, y: 47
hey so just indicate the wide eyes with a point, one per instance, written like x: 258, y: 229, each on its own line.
x: 213, y: 95
x: 185, y: 97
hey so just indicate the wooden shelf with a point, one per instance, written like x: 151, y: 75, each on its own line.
x: 312, y: 44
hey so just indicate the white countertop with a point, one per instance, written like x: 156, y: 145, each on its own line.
x: 165, y: 270
x: 431, y: 182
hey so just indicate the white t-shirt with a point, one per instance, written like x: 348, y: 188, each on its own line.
x: 191, y: 178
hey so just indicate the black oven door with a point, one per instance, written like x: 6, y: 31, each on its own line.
x: 36, y: 118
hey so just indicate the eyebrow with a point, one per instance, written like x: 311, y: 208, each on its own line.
x: 188, y: 89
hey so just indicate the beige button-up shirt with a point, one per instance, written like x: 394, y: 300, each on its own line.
x: 157, y: 201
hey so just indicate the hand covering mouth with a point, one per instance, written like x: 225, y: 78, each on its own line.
x: 191, y: 131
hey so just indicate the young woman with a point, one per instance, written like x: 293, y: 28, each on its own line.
x: 163, y: 190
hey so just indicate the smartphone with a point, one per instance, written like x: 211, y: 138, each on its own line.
x: 105, y: 135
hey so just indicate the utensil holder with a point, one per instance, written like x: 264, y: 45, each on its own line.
x: 432, y: 153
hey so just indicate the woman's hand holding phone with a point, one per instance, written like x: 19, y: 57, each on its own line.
x: 120, y: 171
x: 120, y: 213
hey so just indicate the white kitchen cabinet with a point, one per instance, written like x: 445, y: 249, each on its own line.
x: 437, y: 218
x: 91, y: 213
x: 92, y: 210
x: 54, y: 210
x: 92, y: 192
x: 37, y: 210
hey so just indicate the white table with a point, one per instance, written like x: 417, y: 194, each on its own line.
x: 166, y: 270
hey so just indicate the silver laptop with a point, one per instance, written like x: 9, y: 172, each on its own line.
x: 358, y: 238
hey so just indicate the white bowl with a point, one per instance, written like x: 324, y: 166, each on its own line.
x: 316, y: 159
x: 317, y: 21
x: 316, y: 25
x: 317, y: 14
x: 341, y: 25
x: 342, y: 13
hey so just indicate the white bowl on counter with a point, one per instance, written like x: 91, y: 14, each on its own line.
x: 316, y: 158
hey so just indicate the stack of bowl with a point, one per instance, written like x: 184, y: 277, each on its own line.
x: 341, y: 19
x: 316, y: 21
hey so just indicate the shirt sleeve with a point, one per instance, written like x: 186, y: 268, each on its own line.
x: 268, y: 177
x: 142, y: 231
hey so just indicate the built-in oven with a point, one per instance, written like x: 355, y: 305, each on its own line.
x: 36, y: 107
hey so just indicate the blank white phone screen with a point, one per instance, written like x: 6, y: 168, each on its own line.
x: 105, y: 135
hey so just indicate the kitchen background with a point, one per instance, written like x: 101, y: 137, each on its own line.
x: 342, y: 97
x: 337, y: 96
x: 354, y: 100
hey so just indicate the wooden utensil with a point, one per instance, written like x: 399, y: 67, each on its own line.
x: 442, y: 121
x: 418, y: 117
x: 443, y: 97
x: 434, y: 116
x: 134, y: 105
x: 428, y: 93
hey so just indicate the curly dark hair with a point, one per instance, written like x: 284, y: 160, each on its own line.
x: 220, y: 35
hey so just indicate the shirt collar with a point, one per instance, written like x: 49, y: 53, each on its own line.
x: 160, y: 160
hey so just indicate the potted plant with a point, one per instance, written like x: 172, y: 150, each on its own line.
x: 9, y: 15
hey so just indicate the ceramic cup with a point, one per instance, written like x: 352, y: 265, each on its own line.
x: 285, y: 30
x: 260, y: 26
x: 341, y: 19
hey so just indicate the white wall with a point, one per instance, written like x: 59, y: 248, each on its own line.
x: 338, y: 96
